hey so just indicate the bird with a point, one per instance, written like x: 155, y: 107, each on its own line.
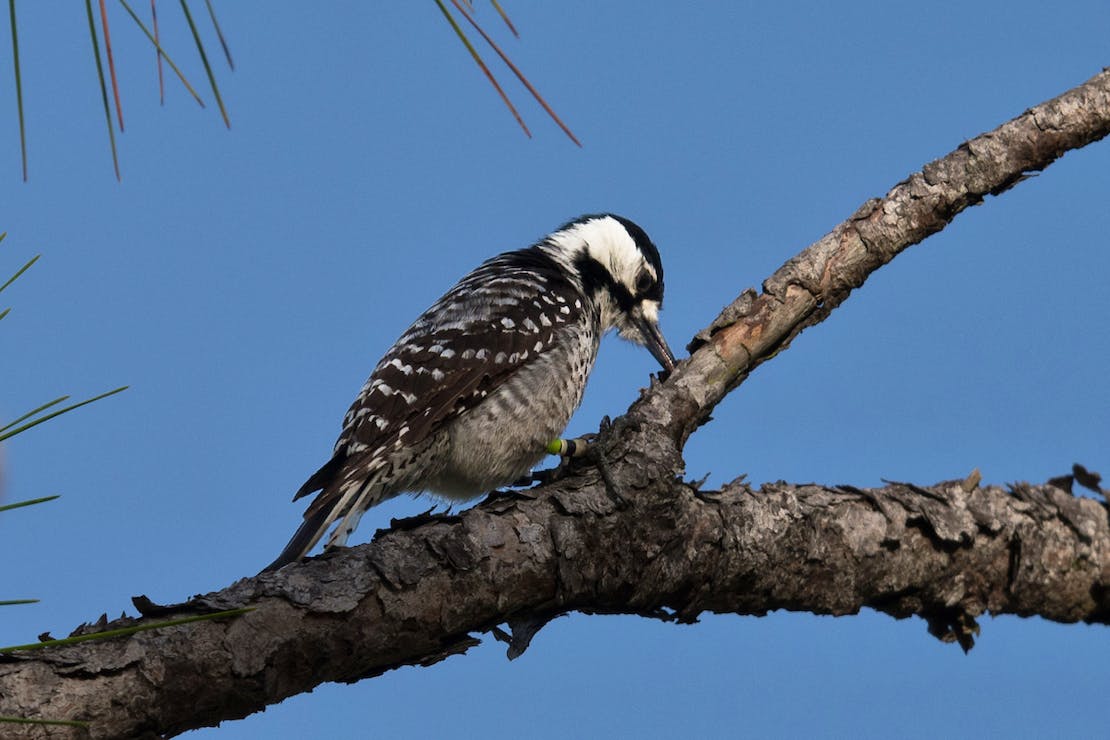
x: 471, y: 396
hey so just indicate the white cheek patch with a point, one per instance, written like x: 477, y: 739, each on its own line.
x: 650, y: 310
x: 608, y: 243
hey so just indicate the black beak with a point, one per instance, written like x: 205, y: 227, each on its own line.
x: 656, y: 344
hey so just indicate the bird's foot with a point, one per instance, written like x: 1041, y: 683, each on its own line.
x: 516, y: 492
x: 431, y: 515
x: 567, y: 450
x: 580, y: 450
x: 597, y: 456
x: 594, y: 453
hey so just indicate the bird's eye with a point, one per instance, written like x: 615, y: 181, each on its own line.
x: 644, y: 283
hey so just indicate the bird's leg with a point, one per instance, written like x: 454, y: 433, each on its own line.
x: 595, y: 454
x: 583, y: 448
x: 566, y: 449
x: 587, y: 449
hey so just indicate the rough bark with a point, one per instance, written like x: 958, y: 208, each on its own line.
x: 627, y: 535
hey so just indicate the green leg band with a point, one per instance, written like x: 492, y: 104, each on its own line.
x: 568, y: 447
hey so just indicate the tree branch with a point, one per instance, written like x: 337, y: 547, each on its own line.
x: 810, y: 285
x: 415, y: 596
x: 419, y: 592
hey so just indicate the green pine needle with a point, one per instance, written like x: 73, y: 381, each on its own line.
x: 482, y: 66
x: 32, y: 412
x: 18, y: 86
x: 28, y: 502
x: 123, y: 631
x: 19, y: 272
x: 61, y: 722
x: 13, y: 602
x: 162, y: 51
x: 12, y: 432
x: 207, y: 66
x: 103, y: 86
x: 219, y: 33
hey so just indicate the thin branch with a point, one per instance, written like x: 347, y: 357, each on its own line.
x: 805, y: 290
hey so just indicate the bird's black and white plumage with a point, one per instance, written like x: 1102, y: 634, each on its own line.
x: 471, y: 395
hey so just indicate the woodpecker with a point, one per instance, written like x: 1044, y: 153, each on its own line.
x: 473, y: 393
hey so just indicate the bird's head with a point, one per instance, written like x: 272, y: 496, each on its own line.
x: 619, y: 268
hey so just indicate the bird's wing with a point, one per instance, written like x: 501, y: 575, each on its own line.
x: 497, y: 319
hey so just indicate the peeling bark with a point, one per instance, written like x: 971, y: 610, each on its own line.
x: 660, y: 548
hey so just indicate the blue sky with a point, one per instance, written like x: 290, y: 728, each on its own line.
x: 244, y: 283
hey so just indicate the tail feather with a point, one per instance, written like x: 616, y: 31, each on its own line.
x: 323, y: 477
x: 305, y: 538
x: 328, y: 506
x: 352, y: 514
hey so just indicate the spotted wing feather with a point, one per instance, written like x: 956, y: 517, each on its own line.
x: 493, y: 322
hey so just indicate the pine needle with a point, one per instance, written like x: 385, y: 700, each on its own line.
x: 158, y: 53
x: 111, y: 63
x: 519, y: 75
x: 29, y: 502
x: 123, y: 631
x: 19, y: 272
x: 103, y: 87
x: 207, y: 66
x: 58, y: 722
x: 12, y: 432
x: 169, y: 60
x: 32, y: 412
x: 219, y: 33
x: 482, y: 65
x: 504, y: 16
x: 18, y: 87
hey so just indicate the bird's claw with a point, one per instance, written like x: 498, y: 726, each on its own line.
x: 586, y: 449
